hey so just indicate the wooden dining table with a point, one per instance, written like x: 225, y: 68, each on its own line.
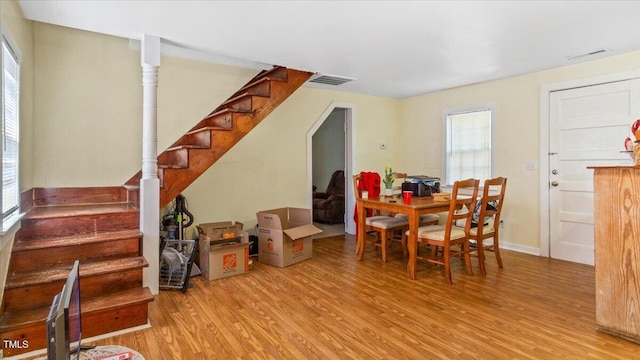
x: 396, y: 205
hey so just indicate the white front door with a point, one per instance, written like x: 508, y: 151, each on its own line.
x: 587, y: 127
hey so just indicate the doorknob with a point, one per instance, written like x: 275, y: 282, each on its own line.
x: 554, y: 183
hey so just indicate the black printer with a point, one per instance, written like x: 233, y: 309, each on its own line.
x: 421, y: 185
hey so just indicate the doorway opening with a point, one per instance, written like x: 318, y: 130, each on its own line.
x: 329, y: 150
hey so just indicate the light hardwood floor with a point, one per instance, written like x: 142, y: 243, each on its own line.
x: 334, y: 307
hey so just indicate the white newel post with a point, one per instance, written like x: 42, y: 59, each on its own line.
x: 149, y: 184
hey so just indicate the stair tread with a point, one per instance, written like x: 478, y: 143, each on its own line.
x: 209, y: 128
x: 254, y: 83
x: 48, y: 242
x: 58, y: 273
x: 16, y: 319
x: 191, y: 146
x: 225, y: 110
x: 218, y: 112
x: 167, y: 166
x: 271, y: 74
x: 240, y: 96
x: 271, y: 78
x: 57, y: 211
x: 237, y: 97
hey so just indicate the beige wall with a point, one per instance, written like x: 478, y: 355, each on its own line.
x: 517, y: 137
x: 89, y: 125
x: 22, y: 32
x: 87, y: 110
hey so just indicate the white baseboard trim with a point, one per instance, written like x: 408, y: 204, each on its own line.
x: 519, y: 248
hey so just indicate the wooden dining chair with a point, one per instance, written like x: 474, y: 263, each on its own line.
x: 451, y: 239
x: 489, y: 221
x: 384, y: 225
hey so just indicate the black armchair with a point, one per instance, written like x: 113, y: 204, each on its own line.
x: 328, y: 206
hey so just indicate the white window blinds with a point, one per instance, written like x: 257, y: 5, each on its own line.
x: 10, y: 109
x: 469, y: 146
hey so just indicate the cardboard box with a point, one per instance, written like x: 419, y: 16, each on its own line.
x: 285, y: 236
x: 216, y: 230
x: 220, y: 260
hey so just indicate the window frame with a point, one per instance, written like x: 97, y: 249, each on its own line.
x: 7, y: 39
x: 445, y: 131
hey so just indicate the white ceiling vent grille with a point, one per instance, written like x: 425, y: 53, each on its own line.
x: 327, y: 79
x: 590, y: 53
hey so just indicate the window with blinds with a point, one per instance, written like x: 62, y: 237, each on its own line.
x: 469, y: 144
x: 10, y: 121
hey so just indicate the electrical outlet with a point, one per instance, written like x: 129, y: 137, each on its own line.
x: 502, y: 223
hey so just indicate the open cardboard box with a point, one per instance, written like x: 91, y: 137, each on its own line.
x: 220, y: 260
x: 217, y: 230
x: 285, y: 236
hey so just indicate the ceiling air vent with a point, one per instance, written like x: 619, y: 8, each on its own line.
x: 327, y: 79
x: 590, y: 53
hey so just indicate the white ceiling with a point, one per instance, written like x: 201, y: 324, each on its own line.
x: 392, y: 48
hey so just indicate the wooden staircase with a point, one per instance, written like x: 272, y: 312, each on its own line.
x: 213, y: 136
x: 98, y: 226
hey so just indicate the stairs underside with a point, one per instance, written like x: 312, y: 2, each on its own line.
x: 191, y: 155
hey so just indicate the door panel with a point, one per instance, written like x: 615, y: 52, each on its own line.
x: 587, y: 128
